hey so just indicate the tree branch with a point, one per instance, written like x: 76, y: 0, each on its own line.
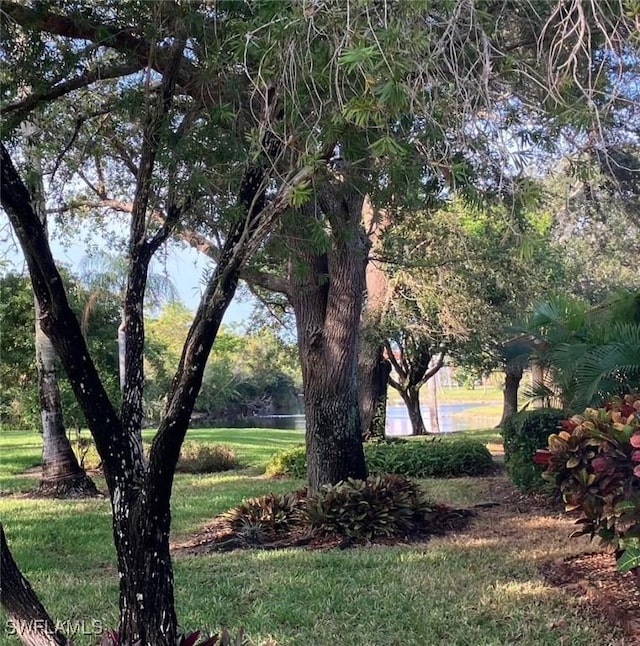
x: 435, y: 368
x: 141, y: 250
x: 62, y: 88
x: 78, y: 26
x: 266, y: 280
x: 121, y: 38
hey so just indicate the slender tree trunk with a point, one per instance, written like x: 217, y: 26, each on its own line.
x: 512, y: 378
x: 61, y: 473
x: 378, y: 425
x: 28, y: 619
x: 537, y: 379
x: 434, y: 417
x: 122, y: 344
x: 411, y: 398
x: 373, y: 370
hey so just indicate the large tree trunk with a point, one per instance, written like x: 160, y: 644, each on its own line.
x: 28, y: 619
x: 512, y: 378
x: 328, y: 304
x: 411, y: 398
x: 328, y: 353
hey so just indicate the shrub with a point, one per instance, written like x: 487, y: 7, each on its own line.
x: 290, y: 463
x: 523, y: 434
x: 197, y: 457
x: 380, y: 506
x: 594, y: 463
x: 257, y: 520
x: 86, y: 453
x: 431, y: 459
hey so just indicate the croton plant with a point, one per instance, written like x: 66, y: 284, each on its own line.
x: 595, y: 463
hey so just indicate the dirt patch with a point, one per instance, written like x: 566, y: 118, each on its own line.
x: 608, y: 593
x: 539, y: 530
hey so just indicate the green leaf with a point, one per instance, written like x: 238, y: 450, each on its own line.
x: 353, y: 57
x: 387, y: 146
x: 300, y: 194
x: 626, y: 505
x: 629, y: 560
x: 629, y: 543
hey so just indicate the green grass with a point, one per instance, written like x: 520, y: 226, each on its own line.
x: 451, y: 591
x: 457, y: 394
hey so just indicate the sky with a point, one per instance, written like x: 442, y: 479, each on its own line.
x: 184, y: 266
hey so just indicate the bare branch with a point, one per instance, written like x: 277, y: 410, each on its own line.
x: 266, y: 280
x: 434, y: 368
x: 101, y: 73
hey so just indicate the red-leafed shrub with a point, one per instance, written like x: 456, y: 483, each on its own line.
x: 595, y: 464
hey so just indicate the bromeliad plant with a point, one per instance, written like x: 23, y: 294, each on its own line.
x: 595, y: 463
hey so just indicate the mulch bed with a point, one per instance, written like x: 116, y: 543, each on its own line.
x: 218, y: 537
x: 610, y: 594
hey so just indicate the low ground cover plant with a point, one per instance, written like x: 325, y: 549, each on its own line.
x: 382, y: 506
x: 429, y: 459
x: 594, y: 463
x: 523, y: 434
x: 195, y: 457
x: 266, y: 518
x: 202, y: 457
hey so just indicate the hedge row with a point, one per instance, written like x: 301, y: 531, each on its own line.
x: 429, y: 459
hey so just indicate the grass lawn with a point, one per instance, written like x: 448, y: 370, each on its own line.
x: 476, y: 587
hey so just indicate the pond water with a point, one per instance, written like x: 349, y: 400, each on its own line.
x: 453, y: 417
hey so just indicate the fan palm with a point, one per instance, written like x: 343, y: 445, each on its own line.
x: 590, y: 353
